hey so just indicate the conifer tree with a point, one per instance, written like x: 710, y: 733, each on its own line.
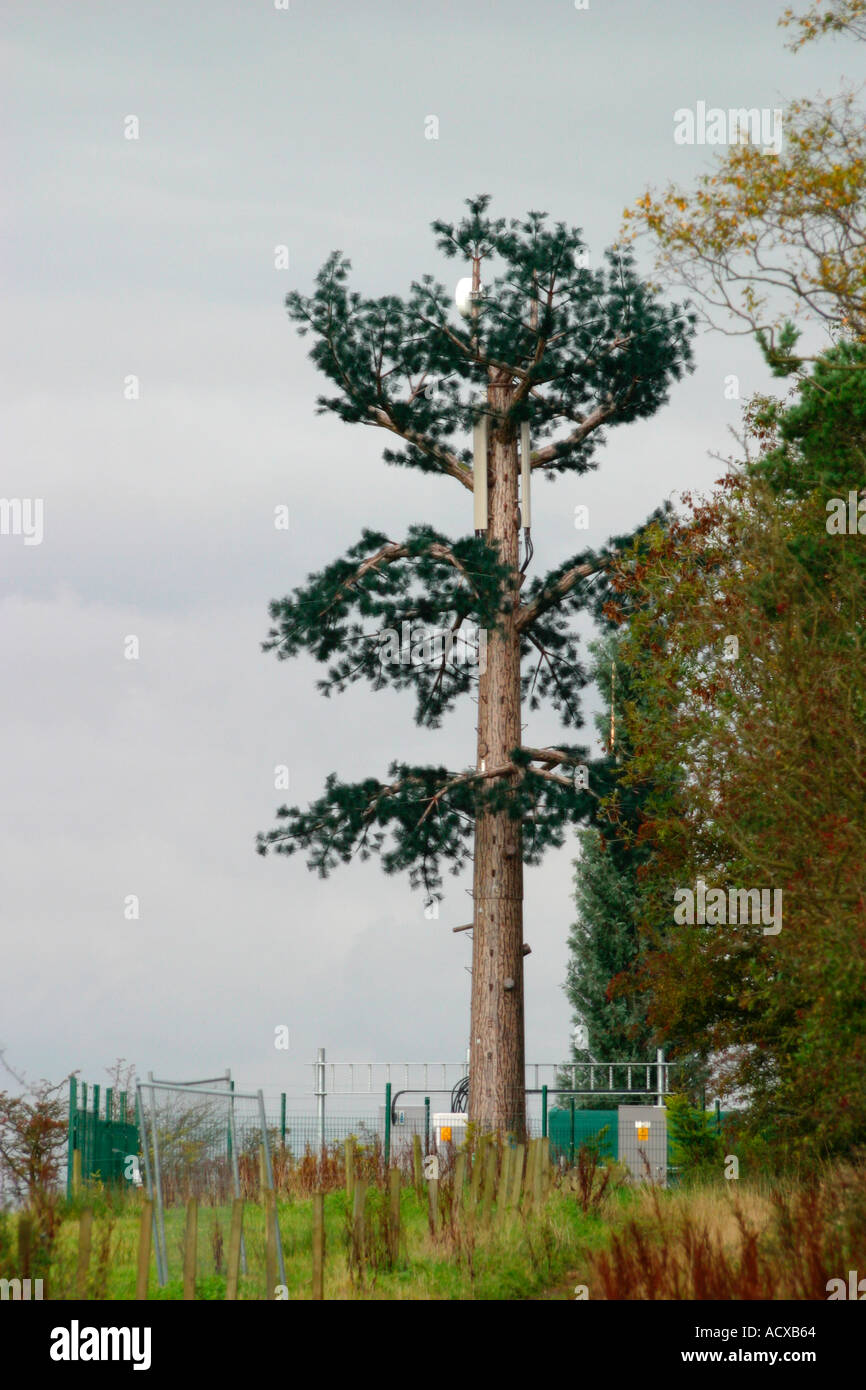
x: 563, y: 348
x: 603, y: 941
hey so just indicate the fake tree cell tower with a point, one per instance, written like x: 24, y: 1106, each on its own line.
x: 545, y: 353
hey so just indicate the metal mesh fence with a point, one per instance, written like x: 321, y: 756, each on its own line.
x: 198, y: 1143
x: 208, y: 1143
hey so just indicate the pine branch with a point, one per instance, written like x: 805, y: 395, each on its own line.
x: 362, y: 613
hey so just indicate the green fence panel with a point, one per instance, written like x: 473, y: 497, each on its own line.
x: 105, y: 1144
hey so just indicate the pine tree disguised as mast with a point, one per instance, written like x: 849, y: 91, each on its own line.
x: 571, y: 350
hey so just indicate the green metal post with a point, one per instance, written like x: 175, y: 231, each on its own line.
x: 283, y: 1117
x: 387, y: 1124
x: 108, y: 1098
x: 84, y: 1130
x: 73, y: 1125
x: 426, y: 1124
x: 718, y: 1115
x: 95, y: 1148
x: 571, y: 1136
x: 544, y: 1112
x: 123, y: 1107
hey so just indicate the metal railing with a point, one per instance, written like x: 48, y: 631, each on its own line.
x: 371, y: 1078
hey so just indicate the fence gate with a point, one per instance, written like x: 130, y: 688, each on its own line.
x: 196, y: 1140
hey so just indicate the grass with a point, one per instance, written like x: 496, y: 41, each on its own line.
x: 732, y: 1241
x: 472, y: 1259
x: 715, y: 1240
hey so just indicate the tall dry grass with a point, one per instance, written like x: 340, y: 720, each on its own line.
x: 786, y: 1240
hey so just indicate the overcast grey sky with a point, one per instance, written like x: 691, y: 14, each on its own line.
x: 155, y: 257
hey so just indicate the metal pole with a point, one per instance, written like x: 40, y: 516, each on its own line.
x: 544, y: 1112
x: 426, y: 1124
x: 233, y: 1158
x: 387, y: 1124
x: 283, y: 1118
x: 230, y: 1143
x: 163, y: 1278
x: 269, y: 1176
x: 571, y: 1137
x: 320, y: 1099
x: 142, y: 1130
x: 70, y: 1142
x: 660, y: 1077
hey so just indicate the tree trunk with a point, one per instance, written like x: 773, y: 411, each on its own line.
x: 496, y: 1045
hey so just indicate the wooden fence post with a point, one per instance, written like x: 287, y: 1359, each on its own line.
x: 488, y: 1194
x: 350, y: 1166
x: 85, y: 1232
x: 417, y: 1164
x: 459, y: 1181
x: 233, y: 1262
x: 433, y: 1204
x: 318, y: 1245
x: 190, y: 1249
x: 517, y: 1177
x: 263, y: 1179
x: 546, y: 1168
x: 359, y: 1212
x: 504, y: 1188
x: 270, y: 1241
x: 477, y: 1171
x: 145, y: 1237
x: 76, y: 1172
x: 528, y: 1190
x: 538, y: 1174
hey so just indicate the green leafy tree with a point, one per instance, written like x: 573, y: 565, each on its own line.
x: 697, y: 1147
x: 33, y: 1133
x: 762, y: 237
x: 570, y: 350
x: 769, y: 737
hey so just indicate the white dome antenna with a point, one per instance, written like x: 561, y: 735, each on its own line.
x: 463, y: 296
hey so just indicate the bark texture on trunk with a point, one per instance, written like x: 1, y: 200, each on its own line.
x: 496, y: 1045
